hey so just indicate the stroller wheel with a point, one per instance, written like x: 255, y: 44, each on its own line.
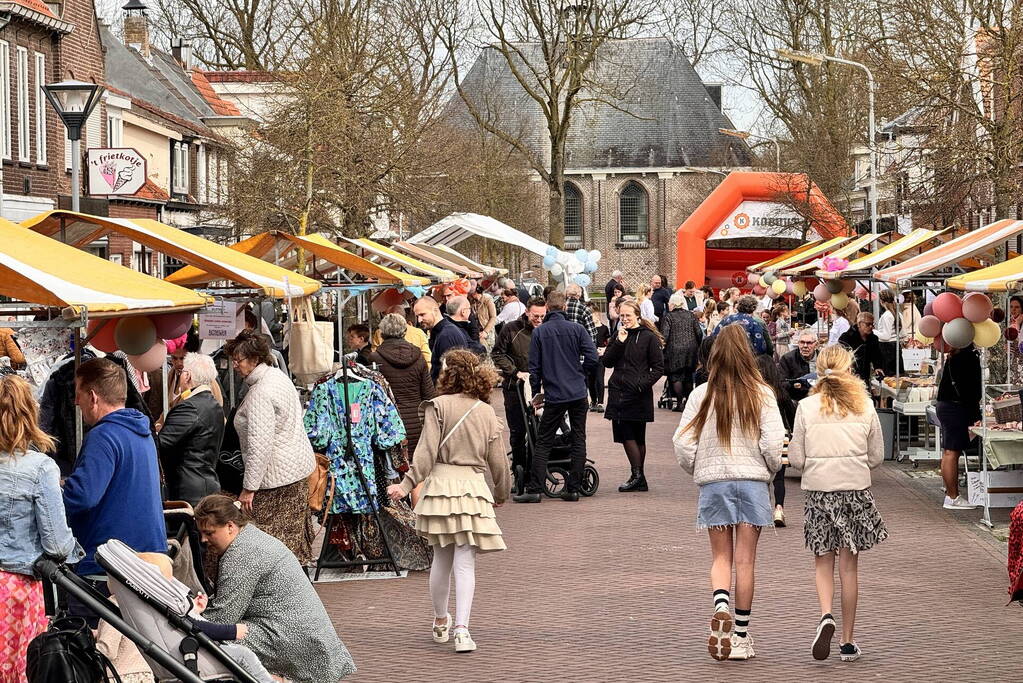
x: 557, y: 479
x: 591, y: 481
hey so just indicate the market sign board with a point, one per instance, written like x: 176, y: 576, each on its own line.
x: 115, y: 171
x: 219, y: 320
x: 754, y: 218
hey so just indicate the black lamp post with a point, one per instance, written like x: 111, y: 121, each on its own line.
x: 74, y: 101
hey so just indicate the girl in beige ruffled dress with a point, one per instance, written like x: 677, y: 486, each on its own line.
x: 461, y: 442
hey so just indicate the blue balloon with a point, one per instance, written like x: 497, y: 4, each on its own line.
x: 590, y: 267
x: 583, y: 280
x: 582, y: 255
x: 548, y: 261
x: 552, y: 251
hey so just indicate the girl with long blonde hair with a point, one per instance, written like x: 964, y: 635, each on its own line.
x: 836, y: 441
x: 730, y: 439
x: 32, y: 505
x: 645, y: 304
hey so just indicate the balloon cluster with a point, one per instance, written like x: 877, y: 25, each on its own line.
x: 773, y: 286
x: 142, y: 338
x: 953, y: 323
x: 833, y: 264
x: 834, y: 292
x: 567, y: 268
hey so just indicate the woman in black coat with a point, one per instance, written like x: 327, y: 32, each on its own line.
x: 190, y: 437
x: 682, y: 337
x: 638, y: 361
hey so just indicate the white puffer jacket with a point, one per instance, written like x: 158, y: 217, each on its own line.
x: 753, y: 458
x: 274, y: 444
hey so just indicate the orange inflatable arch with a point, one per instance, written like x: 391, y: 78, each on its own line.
x: 738, y: 186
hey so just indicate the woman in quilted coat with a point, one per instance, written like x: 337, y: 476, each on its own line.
x: 277, y: 453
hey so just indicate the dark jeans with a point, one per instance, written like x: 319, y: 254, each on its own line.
x: 779, y: 487
x: 595, y: 383
x: 517, y: 427
x: 553, y: 416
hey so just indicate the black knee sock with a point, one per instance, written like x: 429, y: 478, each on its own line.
x: 742, y: 621
x: 721, y: 600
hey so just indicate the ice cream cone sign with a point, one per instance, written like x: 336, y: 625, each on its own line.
x: 116, y: 171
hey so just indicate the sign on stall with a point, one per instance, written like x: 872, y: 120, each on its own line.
x: 219, y: 320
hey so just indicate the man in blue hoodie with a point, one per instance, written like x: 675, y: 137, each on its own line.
x: 561, y: 355
x: 114, y: 490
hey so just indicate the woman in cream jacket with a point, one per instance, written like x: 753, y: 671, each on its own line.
x: 836, y: 441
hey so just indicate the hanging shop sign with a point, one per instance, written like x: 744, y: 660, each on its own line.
x: 753, y: 218
x: 219, y: 320
x: 115, y: 171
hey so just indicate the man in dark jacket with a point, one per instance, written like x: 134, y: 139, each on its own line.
x: 865, y: 347
x: 798, y: 363
x: 555, y: 369
x: 615, y: 281
x: 511, y: 356
x: 114, y: 490
x: 444, y: 334
x: 660, y: 295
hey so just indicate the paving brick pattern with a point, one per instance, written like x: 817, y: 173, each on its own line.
x: 616, y: 588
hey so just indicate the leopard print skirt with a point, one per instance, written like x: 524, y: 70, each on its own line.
x: 842, y: 519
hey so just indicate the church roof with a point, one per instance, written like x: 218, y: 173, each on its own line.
x: 660, y: 113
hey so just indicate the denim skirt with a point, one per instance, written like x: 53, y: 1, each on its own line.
x: 729, y: 503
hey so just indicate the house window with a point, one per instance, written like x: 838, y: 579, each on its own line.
x: 573, y: 214
x: 5, y: 100
x: 179, y: 168
x: 115, y: 129
x: 24, y: 122
x: 41, y: 105
x: 633, y: 213
x: 200, y: 173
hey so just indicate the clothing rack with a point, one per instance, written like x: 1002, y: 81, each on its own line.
x: 323, y: 562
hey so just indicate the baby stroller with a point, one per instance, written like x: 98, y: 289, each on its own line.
x: 151, y: 613
x: 559, y: 462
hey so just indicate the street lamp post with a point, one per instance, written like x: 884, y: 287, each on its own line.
x: 744, y: 134
x: 816, y: 59
x: 74, y: 101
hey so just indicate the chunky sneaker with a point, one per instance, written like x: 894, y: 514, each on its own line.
x: 850, y: 652
x: 463, y: 641
x: 719, y: 644
x: 958, y: 503
x: 822, y: 642
x: 779, y: 517
x: 440, y: 632
x: 742, y: 648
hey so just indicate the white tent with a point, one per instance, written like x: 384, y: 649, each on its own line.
x: 453, y: 229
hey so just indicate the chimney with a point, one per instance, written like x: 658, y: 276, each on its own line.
x: 181, y: 48
x: 136, y: 27
x: 714, y: 90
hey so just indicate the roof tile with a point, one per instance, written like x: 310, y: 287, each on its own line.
x: 36, y: 6
x: 218, y: 104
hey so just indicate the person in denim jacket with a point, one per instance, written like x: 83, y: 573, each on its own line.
x: 32, y: 522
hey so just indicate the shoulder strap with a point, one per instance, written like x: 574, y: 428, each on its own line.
x: 457, y: 425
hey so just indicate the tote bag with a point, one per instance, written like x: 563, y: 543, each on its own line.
x: 311, y: 353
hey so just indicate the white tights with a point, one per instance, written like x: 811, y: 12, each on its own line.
x: 459, y: 560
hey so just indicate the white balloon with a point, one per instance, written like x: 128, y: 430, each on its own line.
x: 564, y: 258
x: 557, y: 271
x: 595, y: 255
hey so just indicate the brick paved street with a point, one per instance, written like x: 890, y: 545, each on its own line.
x: 615, y: 588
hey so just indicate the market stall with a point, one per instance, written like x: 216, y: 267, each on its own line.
x: 800, y: 254
x: 378, y: 252
x: 427, y: 256
x: 452, y: 255
x: 848, y: 250
x: 864, y: 266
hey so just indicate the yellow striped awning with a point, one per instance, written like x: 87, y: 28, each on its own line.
x: 1002, y: 277
x: 887, y: 253
x: 403, y: 261
x: 799, y: 255
x: 845, y: 251
x: 39, y: 270
x: 952, y: 252
x: 82, y: 229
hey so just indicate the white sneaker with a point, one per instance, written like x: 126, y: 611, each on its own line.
x: 742, y: 647
x: 463, y: 641
x: 850, y: 652
x: 958, y: 503
x: 440, y: 632
x: 821, y: 648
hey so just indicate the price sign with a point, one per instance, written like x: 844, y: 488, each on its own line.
x: 219, y: 321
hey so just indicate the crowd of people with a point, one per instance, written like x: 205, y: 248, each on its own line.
x: 743, y: 375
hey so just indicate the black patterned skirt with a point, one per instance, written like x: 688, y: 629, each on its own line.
x: 283, y: 512
x: 842, y: 519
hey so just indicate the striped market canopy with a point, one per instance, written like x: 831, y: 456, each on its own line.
x: 886, y: 254
x: 403, y: 261
x: 850, y: 249
x: 1001, y: 277
x: 952, y: 252
x: 798, y: 255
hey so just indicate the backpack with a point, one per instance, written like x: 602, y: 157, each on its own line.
x: 66, y: 653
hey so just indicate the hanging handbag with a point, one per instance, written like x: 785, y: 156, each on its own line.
x: 311, y: 349
x: 320, y: 482
x: 66, y: 653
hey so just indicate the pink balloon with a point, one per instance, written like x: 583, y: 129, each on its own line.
x: 929, y: 308
x: 151, y: 360
x: 861, y: 292
x: 773, y: 294
x: 848, y: 285
x: 758, y: 290
x: 753, y: 279
x: 104, y: 339
x: 948, y: 307
x: 1011, y: 333
x: 941, y: 346
x: 788, y: 286
x: 822, y: 293
x: 977, y: 307
x: 930, y: 326
x: 172, y: 325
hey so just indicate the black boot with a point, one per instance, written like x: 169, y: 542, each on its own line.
x: 637, y: 482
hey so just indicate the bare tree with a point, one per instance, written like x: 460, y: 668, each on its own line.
x: 554, y: 50
x: 697, y: 25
